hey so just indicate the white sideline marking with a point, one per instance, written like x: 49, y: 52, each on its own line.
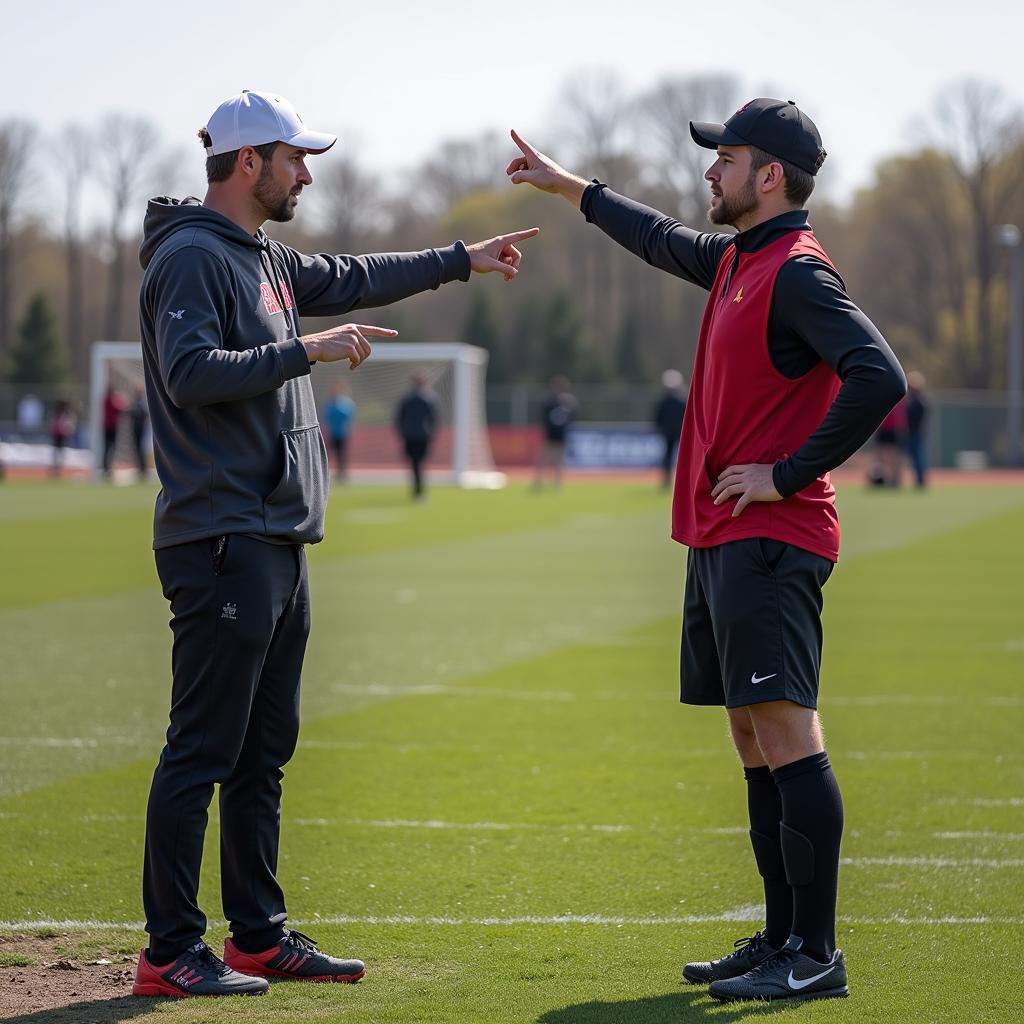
x: 985, y: 801
x: 1012, y: 837
x: 563, y: 696
x: 932, y: 699
x: 742, y: 914
x: 468, y: 826
x: 608, y: 829
x: 437, y: 689
x: 77, y: 742
x: 933, y: 862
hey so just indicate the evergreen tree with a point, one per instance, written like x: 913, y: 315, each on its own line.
x: 481, y: 328
x: 39, y: 355
x: 630, y: 356
x: 562, y: 338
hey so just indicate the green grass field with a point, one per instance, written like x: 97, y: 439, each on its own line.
x: 497, y: 801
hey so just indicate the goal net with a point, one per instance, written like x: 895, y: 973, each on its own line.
x: 456, y: 374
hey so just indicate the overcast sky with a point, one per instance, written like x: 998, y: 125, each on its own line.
x: 392, y: 77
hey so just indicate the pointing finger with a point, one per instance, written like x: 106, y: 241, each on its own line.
x: 376, y: 332
x: 527, y: 149
x: 517, y: 236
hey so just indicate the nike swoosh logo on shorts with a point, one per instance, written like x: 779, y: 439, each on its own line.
x: 755, y: 678
x: 798, y: 983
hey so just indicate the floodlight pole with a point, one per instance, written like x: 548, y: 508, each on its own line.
x: 1009, y: 236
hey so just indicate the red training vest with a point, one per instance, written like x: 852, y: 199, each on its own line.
x: 742, y: 410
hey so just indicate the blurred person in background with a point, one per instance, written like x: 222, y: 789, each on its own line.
x: 557, y: 412
x: 339, y: 413
x: 30, y: 415
x: 917, y: 409
x: 415, y: 422
x: 114, y: 407
x: 887, y: 470
x: 62, y: 430
x: 668, y: 420
x: 138, y: 414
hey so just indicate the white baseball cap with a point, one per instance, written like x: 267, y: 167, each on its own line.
x: 256, y: 118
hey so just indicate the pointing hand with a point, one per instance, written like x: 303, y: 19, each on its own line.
x: 540, y: 171
x: 499, y: 253
x: 345, y: 342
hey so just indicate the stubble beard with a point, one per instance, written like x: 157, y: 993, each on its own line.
x: 731, y: 208
x: 276, y: 203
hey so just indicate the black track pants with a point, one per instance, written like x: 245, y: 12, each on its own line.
x: 240, y: 619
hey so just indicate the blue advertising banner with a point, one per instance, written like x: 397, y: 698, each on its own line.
x: 618, y: 446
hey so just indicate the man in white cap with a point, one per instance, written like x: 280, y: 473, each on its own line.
x: 244, y: 477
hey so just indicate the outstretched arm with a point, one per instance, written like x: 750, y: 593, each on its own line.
x: 326, y: 285
x: 659, y: 240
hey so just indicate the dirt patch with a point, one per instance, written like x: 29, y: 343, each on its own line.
x: 47, y: 980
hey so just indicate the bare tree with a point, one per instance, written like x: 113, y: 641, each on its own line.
x: 128, y: 160
x: 351, y: 202
x: 975, y: 124
x: 591, y: 115
x: 76, y: 162
x: 16, y: 141
x: 462, y: 166
x: 665, y: 114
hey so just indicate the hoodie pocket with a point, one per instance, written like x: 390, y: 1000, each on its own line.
x: 295, y: 508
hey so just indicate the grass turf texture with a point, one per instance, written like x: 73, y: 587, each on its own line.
x: 496, y: 800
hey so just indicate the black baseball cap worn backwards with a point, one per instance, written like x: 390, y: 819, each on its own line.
x: 778, y: 127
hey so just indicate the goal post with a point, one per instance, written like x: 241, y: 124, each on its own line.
x: 456, y: 374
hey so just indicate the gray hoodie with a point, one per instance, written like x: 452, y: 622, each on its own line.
x: 235, y: 434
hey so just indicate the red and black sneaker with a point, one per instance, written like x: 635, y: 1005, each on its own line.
x: 197, y: 972
x: 295, y: 956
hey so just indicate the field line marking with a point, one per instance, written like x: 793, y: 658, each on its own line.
x: 434, y: 824
x: 742, y: 915
x: 567, y: 696
x: 934, y: 862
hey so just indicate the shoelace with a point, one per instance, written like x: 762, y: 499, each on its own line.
x: 742, y: 945
x: 205, y: 957
x: 776, y: 960
x: 300, y: 941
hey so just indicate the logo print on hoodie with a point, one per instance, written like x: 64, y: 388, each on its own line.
x: 270, y: 300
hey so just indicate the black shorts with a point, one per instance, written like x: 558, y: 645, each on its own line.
x: 752, y: 624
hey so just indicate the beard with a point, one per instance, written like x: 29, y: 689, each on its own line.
x: 732, y: 208
x: 274, y: 198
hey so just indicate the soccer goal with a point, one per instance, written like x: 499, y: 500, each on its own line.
x: 460, y: 453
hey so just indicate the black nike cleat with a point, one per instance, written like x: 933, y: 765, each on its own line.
x: 197, y: 972
x: 296, y: 957
x: 787, y: 974
x: 747, y: 955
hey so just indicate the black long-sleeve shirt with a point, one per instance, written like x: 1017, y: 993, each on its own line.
x: 811, y: 318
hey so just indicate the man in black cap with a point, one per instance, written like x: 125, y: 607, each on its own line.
x: 790, y: 379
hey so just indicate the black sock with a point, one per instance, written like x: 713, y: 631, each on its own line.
x: 161, y: 957
x: 811, y: 830
x: 764, y: 804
